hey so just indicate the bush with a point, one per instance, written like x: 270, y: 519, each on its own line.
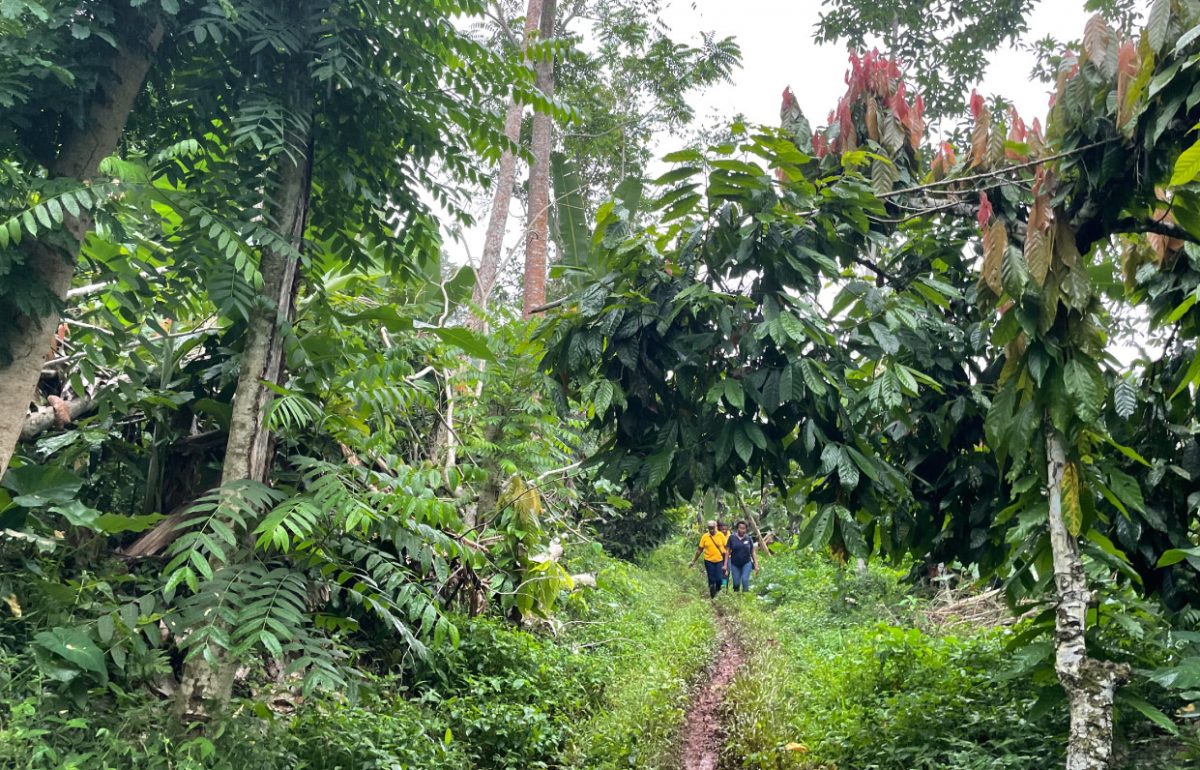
x: 602, y: 685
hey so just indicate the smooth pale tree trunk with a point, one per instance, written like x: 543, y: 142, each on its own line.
x: 206, y: 684
x: 537, y: 230
x: 79, y: 158
x: 506, y: 178
x: 1090, y: 685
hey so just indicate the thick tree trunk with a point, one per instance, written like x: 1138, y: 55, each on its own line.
x: 506, y: 178
x: 208, y: 684
x: 79, y: 157
x: 537, y: 231
x: 1090, y: 685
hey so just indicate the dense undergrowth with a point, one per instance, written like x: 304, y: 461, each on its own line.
x: 603, y: 685
x: 840, y: 675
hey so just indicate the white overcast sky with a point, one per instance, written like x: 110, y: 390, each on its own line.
x: 778, y: 51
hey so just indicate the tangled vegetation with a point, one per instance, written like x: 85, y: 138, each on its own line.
x: 290, y: 477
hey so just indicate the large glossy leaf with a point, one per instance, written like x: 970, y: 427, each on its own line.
x: 38, y: 486
x: 72, y: 646
x: 572, y: 231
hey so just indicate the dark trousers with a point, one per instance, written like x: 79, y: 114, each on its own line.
x: 716, y: 573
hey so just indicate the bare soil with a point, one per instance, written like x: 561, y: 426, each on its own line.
x: 703, y: 733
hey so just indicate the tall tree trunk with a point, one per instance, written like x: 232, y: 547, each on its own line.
x: 506, y: 178
x: 1090, y: 685
x: 79, y: 157
x: 208, y: 684
x: 537, y: 231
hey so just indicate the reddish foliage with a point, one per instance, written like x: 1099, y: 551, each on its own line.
x: 985, y: 210
x: 1127, y: 68
x: 789, y: 99
x: 873, y: 84
x: 976, y: 104
x: 1017, y: 134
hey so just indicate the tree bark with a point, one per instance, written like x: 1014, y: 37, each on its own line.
x: 537, y: 231
x: 208, y: 683
x: 1090, y: 685
x: 506, y: 177
x: 79, y: 158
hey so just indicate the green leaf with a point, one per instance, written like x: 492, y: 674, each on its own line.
x: 603, y: 397
x: 742, y: 444
x: 76, y: 647
x: 659, y: 465
x: 812, y: 377
x: 1189, y: 377
x: 792, y: 327
x: 1158, y: 23
x: 38, y: 486
x: 1180, y: 309
x: 819, y: 529
x: 852, y: 535
x: 77, y: 514
x: 1125, y: 398
x: 684, y: 156
x: 847, y: 470
x: 735, y: 395
x: 1127, y: 489
x: 469, y: 342
x: 572, y: 232
x: 1173, y: 556
x: 1187, y: 167
x: 1148, y: 710
x: 674, y: 176
x: 1085, y: 387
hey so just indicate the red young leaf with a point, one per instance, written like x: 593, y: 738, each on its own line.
x: 820, y: 148
x: 1127, y: 68
x: 916, y: 126
x: 995, y: 243
x: 872, y: 119
x: 1097, y: 37
x: 985, y: 210
x: 976, y: 105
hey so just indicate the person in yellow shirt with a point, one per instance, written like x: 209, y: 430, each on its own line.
x: 712, y: 547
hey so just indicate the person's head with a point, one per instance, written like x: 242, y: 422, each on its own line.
x: 712, y: 526
x: 723, y: 526
x: 741, y: 527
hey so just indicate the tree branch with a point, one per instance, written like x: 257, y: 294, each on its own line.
x: 1132, y: 225
x: 998, y: 172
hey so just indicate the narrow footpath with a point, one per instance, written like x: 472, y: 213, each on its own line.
x: 703, y: 733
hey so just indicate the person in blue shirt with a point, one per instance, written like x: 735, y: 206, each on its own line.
x: 740, y: 558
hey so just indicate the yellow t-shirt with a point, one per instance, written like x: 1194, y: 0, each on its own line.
x: 714, y: 546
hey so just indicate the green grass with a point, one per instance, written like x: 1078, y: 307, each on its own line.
x: 660, y: 634
x: 835, y: 666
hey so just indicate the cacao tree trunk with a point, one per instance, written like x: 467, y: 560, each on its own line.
x: 506, y: 177
x: 207, y: 684
x: 1090, y: 685
x: 78, y: 158
x: 537, y: 230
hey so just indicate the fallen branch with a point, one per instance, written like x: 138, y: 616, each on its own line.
x: 58, y: 414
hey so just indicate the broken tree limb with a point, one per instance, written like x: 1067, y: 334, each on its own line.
x: 58, y: 414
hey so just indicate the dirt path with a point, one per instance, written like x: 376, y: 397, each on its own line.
x: 703, y: 733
